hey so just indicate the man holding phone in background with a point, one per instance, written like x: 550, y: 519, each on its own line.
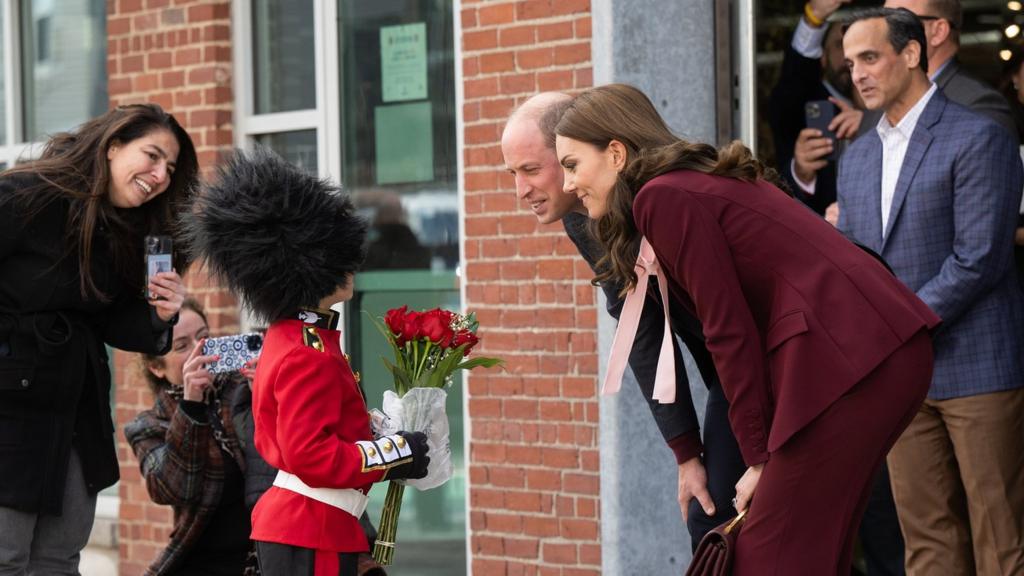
x: 812, y: 107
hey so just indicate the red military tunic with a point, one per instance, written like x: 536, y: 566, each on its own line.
x: 308, y: 413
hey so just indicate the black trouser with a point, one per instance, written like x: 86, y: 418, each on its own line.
x: 284, y: 560
x: 880, y: 536
x: 723, y: 464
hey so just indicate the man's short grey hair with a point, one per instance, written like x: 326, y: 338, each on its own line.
x: 545, y: 109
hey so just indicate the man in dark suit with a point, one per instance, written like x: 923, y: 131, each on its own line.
x: 935, y: 191
x: 812, y: 70
x: 708, y: 470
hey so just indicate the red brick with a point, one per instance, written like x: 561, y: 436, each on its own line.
x: 534, y: 9
x: 517, y: 35
x: 116, y: 26
x: 484, y: 134
x: 555, y: 81
x: 572, y: 53
x: 535, y: 58
x: 518, y: 84
x: 583, y: 27
x: 560, y: 457
x: 498, y: 108
x: 124, y: 6
x: 479, y: 40
x: 158, y: 60
x: 470, y: 66
x: 523, y: 501
x: 556, y: 553
x: 570, y: 6
x: 497, y: 62
x: 555, y: 31
x: 146, y: 22
x: 468, y: 18
x: 584, y: 78
x: 187, y: 56
x: 131, y: 64
x: 495, y: 14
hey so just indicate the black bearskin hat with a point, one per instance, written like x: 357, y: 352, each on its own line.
x: 280, y: 238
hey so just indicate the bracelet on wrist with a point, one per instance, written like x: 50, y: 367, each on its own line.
x: 811, y: 17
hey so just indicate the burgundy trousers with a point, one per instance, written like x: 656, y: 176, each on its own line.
x: 813, y: 490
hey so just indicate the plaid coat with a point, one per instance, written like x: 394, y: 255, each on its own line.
x: 183, y: 466
x: 949, y: 238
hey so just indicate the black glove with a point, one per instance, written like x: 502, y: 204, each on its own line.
x: 417, y: 467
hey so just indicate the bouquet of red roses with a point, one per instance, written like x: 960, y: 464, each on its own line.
x: 429, y: 347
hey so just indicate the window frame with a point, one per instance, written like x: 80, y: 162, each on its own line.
x: 13, y: 146
x: 323, y: 118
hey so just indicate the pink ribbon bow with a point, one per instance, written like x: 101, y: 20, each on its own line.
x: 629, y: 320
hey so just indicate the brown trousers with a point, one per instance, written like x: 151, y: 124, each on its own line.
x: 958, y: 481
x: 813, y: 490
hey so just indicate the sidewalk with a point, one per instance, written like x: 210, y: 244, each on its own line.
x: 100, y: 556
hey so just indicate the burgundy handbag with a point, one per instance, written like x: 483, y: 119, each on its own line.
x: 713, y: 556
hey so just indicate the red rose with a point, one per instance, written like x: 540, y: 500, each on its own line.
x: 411, y: 328
x: 465, y: 337
x: 436, y: 326
x: 395, y: 318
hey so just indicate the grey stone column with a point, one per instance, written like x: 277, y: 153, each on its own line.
x: 665, y: 48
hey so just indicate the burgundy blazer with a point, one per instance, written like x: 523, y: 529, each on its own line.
x: 794, y: 313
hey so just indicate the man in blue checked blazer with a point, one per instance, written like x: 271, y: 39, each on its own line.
x: 935, y: 189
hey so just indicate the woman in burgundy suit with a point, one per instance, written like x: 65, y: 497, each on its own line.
x: 823, y: 354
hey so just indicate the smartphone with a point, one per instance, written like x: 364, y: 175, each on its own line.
x: 819, y: 114
x: 234, y: 351
x: 158, y: 259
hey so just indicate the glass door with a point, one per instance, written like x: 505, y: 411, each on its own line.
x: 398, y: 160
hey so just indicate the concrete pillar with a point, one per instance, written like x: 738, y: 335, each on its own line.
x: 665, y: 48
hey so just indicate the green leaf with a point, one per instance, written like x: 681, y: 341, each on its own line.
x: 480, y: 361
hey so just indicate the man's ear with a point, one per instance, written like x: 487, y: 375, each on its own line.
x: 940, y: 32
x: 912, y: 54
x: 617, y: 150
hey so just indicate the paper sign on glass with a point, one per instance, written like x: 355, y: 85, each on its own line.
x: 403, y: 62
x: 405, y: 142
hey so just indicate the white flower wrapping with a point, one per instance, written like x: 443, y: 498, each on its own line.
x: 422, y: 410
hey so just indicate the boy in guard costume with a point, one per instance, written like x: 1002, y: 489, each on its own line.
x: 289, y: 245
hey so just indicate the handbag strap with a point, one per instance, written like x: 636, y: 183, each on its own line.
x: 633, y: 306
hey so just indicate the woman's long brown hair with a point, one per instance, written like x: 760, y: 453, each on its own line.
x: 74, y: 166
x: 623, y: 113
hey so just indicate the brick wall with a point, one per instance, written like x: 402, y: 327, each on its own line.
x: 534, y: 490
x: 176, y: 53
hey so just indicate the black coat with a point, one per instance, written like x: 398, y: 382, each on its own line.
x: 54, y: 373
x: 799, y: 83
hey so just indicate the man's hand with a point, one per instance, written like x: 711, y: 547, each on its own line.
x: 832, y: 214
x: 847, y: 122
x: 693, y: 483
x: 809, y: 154
x: 825, y: 8
x: 746, y: 486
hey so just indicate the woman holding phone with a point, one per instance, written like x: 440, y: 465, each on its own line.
x: 195, y: 451
x: 190, y: 456
x: 72, y: 281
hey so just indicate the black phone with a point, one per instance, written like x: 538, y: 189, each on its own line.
x: 159, y: 258
x: 819, y: 114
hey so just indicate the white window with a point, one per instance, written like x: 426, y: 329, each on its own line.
x: 48, y: 86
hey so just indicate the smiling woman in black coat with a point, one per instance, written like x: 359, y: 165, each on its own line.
x: 72, y: 281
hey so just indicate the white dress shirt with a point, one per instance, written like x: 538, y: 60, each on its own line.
x: 895, y: 140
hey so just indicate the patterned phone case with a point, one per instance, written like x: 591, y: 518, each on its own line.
x: 234, y: 351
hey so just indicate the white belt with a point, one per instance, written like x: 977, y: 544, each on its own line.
x: 347, y: 499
